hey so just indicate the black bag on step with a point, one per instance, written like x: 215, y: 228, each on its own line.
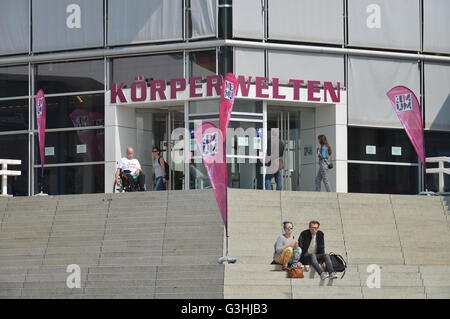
x: 339, y: 263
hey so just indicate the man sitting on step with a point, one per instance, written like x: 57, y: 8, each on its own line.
x: 312, y: 244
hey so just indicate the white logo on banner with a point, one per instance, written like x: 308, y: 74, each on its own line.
x: 40, y: 105
x: 374, y: 19
x: 209, y: 142
x: 74, y: 19
x: 403, y: 102
x: 229, y: 87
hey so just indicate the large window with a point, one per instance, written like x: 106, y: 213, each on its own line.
x: 74, y: 99
x: 72, y: 146
x: 72, y: 179
x: 202, y: 63
x: 150, y: 67
x: 386, y: 145
x: 14, y: 81
x: 13, y: 115
x: 384, y: 179
x: 139, y: 21
x: 381, y: 161
x: 75, y: 111
x: 67, y: 24
x: 70, y: 76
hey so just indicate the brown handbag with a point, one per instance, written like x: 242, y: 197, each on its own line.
x: 295, y: 272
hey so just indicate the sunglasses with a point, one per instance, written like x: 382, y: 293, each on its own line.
x: 314, y: 228
x: 289, y: 228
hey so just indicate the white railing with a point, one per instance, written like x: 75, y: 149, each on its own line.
x: 4, y: 173
x: 441, y: 170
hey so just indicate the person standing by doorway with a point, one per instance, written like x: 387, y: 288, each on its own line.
x: 324, y: 151
x: 160, y: 170
x: 275, y: 164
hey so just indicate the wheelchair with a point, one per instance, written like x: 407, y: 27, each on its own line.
x: 127, y: 183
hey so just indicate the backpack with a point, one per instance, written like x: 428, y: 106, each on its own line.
x: 166, y: 166
x: 339, y: 263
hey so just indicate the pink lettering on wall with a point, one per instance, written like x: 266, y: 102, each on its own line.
x: 117, y: 92
x: 296, y: 88
x: 245, y: 88
x: 158, y: 88
x: 328, y: 87
x: 213, y: 82
x: 260, y: 86
x: 193, y: 86
x: 312, y: 89
x: 275, y: 89
x: 142, y: 85
x: 174, y: 88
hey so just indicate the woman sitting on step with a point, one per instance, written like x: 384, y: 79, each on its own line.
x: 286, y: 248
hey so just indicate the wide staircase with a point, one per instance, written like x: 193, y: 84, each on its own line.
x: 166, y: 245
x: 133, y: 245
x: 408, y: 237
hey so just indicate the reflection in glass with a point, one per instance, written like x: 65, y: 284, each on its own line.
x: 150, y: 67
x: 206, y: 106
x: 63, y: 77
x: 75, y: 110
x: 247, y: 106
x: 14, y: 81
x: 16, y: 147
x: 14, y: 115
x: 383, y: 140
x: 83, y: 179
x: 202, y: 63
x: 72, y: 146
x: 384, y: 179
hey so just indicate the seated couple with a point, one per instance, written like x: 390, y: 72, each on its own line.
x: 311, y: 243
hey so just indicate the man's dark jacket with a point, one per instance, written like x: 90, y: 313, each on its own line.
x: 305, y: 240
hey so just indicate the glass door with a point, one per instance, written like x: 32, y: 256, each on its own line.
x: 155, y: 128
x: 288, y: 122
x: 175, y: 150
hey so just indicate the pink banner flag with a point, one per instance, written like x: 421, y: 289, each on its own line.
x: 211, y: 145
x: 229, y: 90
x: 408, y: 110
x: 41, y: 116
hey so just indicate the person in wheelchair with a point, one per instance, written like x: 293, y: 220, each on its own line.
x: 129, y: 172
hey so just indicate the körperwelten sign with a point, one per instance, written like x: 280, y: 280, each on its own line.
x: 159, y: 90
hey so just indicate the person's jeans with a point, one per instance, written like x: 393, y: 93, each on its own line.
x: 316, y: 259
x: 268, y: 181
x: 160, y: 186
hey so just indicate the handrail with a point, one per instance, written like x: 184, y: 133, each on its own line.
x: 441, y: 170
x: 4, y: 173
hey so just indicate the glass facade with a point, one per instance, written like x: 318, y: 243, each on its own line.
x: 88, y: 45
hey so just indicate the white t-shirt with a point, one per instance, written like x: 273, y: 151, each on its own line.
x: 313, y: 245
x: 131, y: 165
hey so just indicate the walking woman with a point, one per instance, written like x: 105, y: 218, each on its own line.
x: 323, y: 152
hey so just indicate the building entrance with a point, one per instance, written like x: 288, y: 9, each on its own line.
x: 155, y: 128
x: 299, y: 146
